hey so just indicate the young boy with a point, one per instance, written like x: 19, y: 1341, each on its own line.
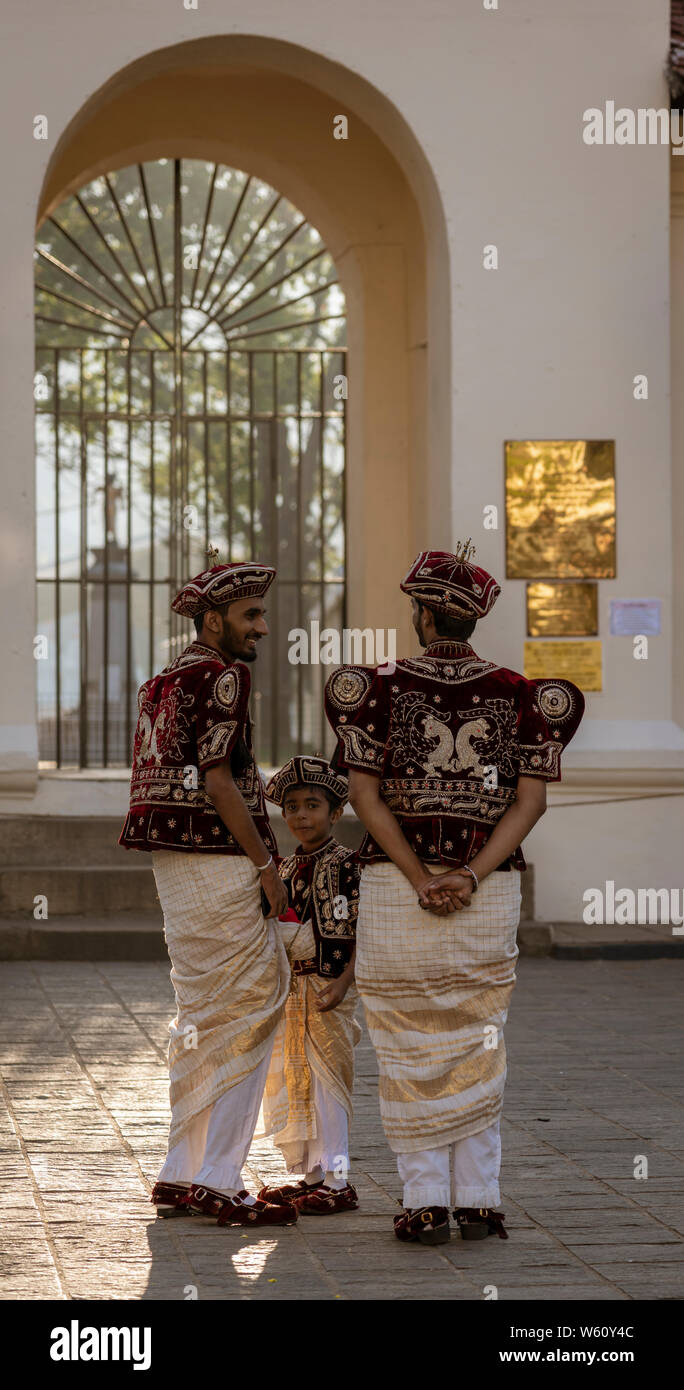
x: 307, y: 1100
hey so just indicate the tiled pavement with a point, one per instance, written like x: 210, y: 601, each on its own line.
x: 595, y: 1082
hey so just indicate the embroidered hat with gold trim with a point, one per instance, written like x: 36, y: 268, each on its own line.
x: 307, y: 772
x: 451, y: 584
x: 223, y: 584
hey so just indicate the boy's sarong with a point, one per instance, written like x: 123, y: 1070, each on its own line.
x: 435, y: 992
x: 229, y: 971
x: 308, y: 1043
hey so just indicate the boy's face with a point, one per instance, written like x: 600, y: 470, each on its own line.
x: 309, y: 815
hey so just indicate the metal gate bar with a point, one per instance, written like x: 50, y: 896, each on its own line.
x: 76, y: 734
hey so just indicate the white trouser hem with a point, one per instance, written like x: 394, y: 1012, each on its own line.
x: 181, y: 1161
x: 316, y: 1161
x: 223, y: 1177
x: 432, y: 1196
x: 477, y: 1196
x: 469, y: 1167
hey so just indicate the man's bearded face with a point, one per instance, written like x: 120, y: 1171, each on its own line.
x: 242, y: 627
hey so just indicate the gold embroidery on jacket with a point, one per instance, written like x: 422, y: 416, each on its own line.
x: 348, y: 687
x: 163, y: 726
x: 451, y: 671
x: 359, y: 747
x: 539, y: 759
x: 459, y: 799
x: 215, y: 742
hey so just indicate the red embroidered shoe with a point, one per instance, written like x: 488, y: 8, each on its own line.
x: 171, y: 1198
x: 477, y: 1223
x: 205, y: 1201
x: 429, y: 1225
x: 287, y: 1191
x: 325, y: 1201
x: 237, y: 1212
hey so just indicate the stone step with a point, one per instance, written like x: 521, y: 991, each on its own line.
x: 575, y: 941
x: 61, y: 840
x: 139, y: 936
x: 133, y: 937
x: 93, y: 840
x: 78, y: 890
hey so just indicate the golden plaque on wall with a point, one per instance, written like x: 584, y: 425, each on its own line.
x: 575, y: 661
x: 560, y: 508
x: 567, y: 609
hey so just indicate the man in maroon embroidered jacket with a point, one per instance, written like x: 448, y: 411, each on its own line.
x: 197, y: 802
x: 448, y: 756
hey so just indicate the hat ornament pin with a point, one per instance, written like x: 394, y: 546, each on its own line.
x: 464, y: 550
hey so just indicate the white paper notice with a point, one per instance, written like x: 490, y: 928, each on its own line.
x: 630, y: 617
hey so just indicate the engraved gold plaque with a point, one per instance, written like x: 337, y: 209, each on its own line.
x: 576, y: 661
x: 562, y: 610
x: 560, y: 508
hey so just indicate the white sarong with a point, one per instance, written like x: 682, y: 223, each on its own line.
x: 230, y: 974
x: 313, y: 1056
x: 435, y: 992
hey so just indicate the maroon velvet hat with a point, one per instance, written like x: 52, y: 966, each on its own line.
x: 222, y: 584
x: 450, y: 584
x: 307, y: 772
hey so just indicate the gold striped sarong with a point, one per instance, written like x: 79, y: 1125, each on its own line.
x: 308, y: 1043
x: 435, y: 992
x: 229, y: 971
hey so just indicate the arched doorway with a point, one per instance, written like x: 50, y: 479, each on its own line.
x: 253, y: 103
x: 190, y: 390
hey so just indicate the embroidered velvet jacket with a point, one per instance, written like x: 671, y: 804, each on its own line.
x: 190, y: 718
x: 323, y: 886
x: 448, y: 734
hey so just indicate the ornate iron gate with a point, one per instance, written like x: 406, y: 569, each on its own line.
x: 215, y: 415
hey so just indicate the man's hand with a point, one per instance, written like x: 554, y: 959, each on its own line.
x: 447, y: 892
x: 222, y: 790
x: 275, y: 890
x: 332, y: 995
x: 229, y: 802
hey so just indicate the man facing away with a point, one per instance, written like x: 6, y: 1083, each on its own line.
x: 197, y: 802
x: 448, y: 756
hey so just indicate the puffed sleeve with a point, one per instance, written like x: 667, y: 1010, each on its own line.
x: 357, y: 706
x: 221, y: 712
x: 549, y: 716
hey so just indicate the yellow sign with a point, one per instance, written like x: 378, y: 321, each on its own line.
x: 560, y: 509
x: 576, y: 661
x: 562, y: 610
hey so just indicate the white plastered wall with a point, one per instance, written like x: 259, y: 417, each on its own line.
x: 546, y: 346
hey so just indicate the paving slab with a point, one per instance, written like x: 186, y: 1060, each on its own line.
x: 593, y: 1086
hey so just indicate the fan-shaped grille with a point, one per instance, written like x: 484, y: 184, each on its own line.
x: 250, y: 268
